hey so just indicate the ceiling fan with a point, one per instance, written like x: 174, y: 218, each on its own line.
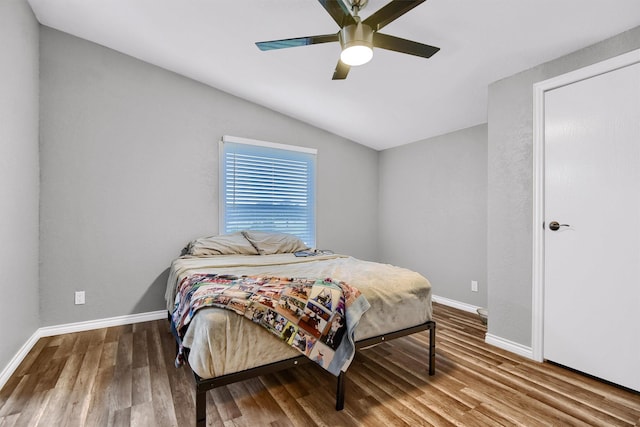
x: 358, y: 37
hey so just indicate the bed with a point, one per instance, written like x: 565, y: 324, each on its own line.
x: 216, y: 341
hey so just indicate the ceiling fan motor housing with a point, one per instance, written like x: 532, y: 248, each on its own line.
x: 356, y: 35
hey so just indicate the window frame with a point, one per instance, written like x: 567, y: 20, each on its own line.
x: 222, y: 206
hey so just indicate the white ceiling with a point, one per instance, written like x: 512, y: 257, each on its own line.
x: 393, y: 100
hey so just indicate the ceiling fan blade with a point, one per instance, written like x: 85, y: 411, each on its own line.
x: 397, y: 44
x: 390, y: 13
x: 341, y: 71
x: 338, y: 11
x: 298, y: 41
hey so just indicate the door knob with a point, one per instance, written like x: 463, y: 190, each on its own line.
x: 555, y: 225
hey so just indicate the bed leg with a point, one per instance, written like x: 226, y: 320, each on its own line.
x: 340, y: 392
x: 432, y: 349
x: 201, y: 408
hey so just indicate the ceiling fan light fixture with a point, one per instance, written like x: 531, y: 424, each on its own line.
x: 356, y: 55
x: 357, y: 44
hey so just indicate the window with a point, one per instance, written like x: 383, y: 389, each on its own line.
x: 267, y: 187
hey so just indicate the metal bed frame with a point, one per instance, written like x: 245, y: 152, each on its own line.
x: 203, y: 385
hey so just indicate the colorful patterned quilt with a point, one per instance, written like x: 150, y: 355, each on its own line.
x: 315, y: 316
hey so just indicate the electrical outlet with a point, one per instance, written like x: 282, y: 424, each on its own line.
x: 79, y: 297
x: 474, y: 286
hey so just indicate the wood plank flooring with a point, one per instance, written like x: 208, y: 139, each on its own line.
x: 124, y: 376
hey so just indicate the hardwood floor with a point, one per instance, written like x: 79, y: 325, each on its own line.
x: 125, y: 376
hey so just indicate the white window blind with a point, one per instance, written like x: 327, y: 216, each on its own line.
x: 268, y: 187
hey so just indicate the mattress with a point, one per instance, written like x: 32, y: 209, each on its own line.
x: 222, y: 342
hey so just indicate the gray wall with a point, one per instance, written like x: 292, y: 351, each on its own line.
x: 129, y: 166
x: 433, y: 211
x: 510, y: 195
x: 18, y: 177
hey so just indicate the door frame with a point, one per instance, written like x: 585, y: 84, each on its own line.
x: 539, y: 89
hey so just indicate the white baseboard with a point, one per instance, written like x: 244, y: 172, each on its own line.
x: 499, y: 342
x: 513, y: 347
x: 455, y: 304
x: 17, y: 359
x: 49, y: 331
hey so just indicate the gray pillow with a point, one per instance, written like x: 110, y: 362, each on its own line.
x: 268, y: 243
x: 226, y: 244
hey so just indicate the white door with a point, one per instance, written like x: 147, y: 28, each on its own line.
x: 592, y: 264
